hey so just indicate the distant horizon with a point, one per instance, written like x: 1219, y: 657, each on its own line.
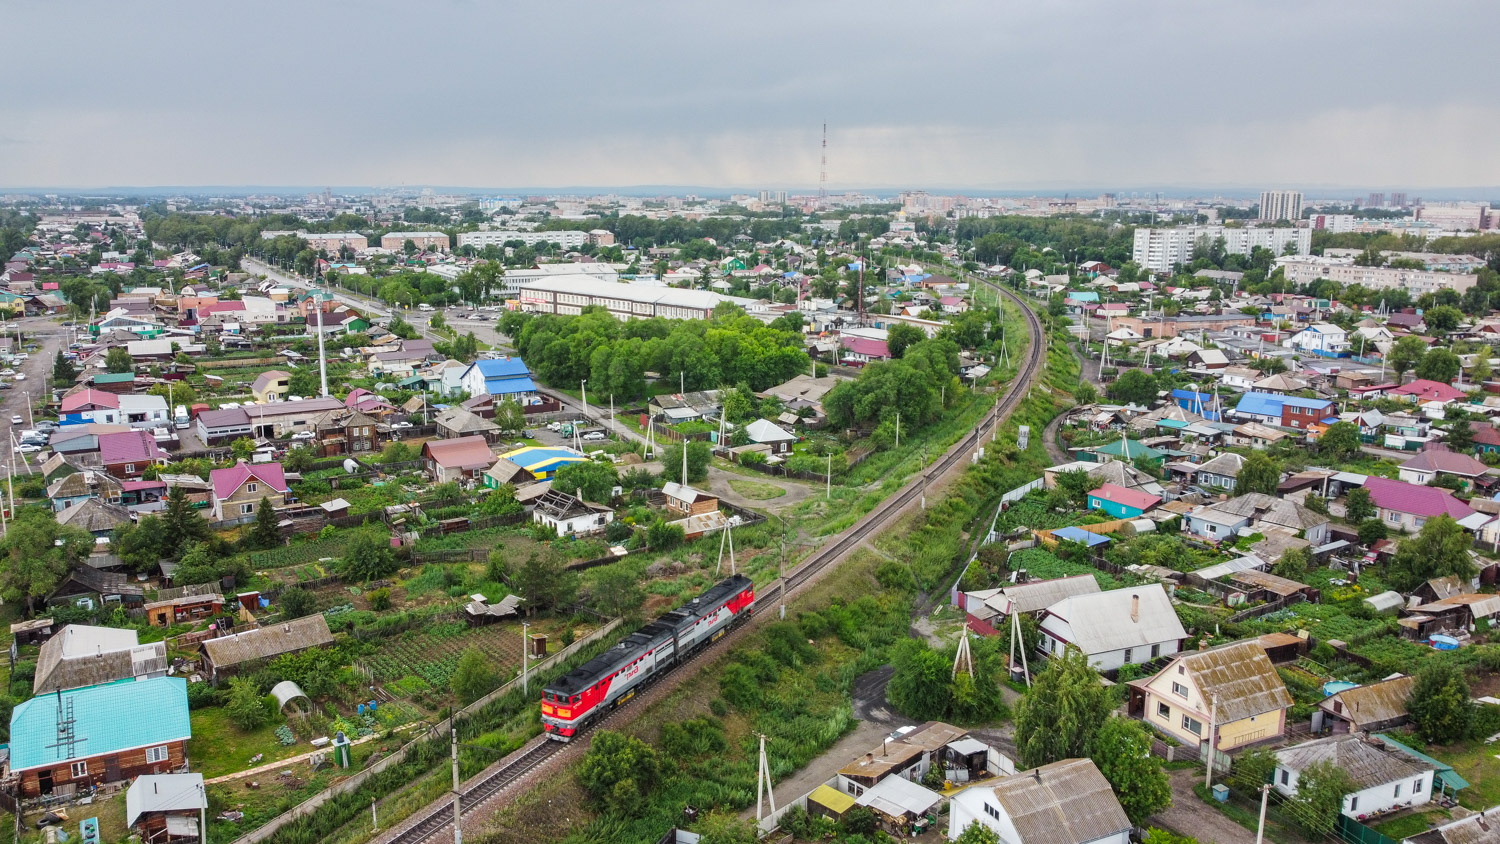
x: 1484, y: 193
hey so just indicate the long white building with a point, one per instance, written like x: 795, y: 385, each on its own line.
x: 571, y: 294
x: 565, y: 239
x: 515, y: 278
x: 1303, y: 270
x: 1157, y: 250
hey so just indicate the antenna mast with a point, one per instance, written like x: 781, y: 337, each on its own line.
x: 823, y: 172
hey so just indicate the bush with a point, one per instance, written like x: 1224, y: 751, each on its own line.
x: 718, y: 707
x: 200, y: 695
x: 380, y: 599
x: 752, y: 458
x: 895, y: 575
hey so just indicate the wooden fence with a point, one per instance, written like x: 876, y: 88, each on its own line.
x: 440, y: 729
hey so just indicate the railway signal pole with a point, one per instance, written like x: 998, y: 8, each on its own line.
x: 458, y: 817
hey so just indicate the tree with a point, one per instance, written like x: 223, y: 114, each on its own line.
x: 264, y: 533
x: 1066, y: 707
x: 1260, y: 473
x: 118, y: 360
x: 1442, y: 319
x: 699, y: 454
x: 1320, y: 796
x: 977, y: 833
x: 1075, y: 483
x: 1133, y: 386
x: 616, y: 591
x: 246, y: 708
x: 1461, y: 437
x: 543, y: 583
x: 296, y: 602
x: 1480, y: 371
x: 726, y: 828
x: 1085, y: 393
x: 738, y: 405
x: 472, y: 678
x: 1440, y: 549
x: 900, y: 336
x: 1293, y: 564
x: 1358, y: 506
x: 594, y: 481
x: 1439, y: 365
x: 181, y: 526
x: 303, y: 382
x: 1406, y: 354
x: 39, y: 551
x: 1341, y: 440
x: 919, y: 687
x: 1122, y: 751
x: 509, y: 417
x: 242, y: 448
x: 63, y: 370
x: 618, y: 771
x: 1372, y: 531
x: 1440, y: 707
x: 367, y: 557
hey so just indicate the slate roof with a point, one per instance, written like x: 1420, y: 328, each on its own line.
x: 93, y: 515
x: 1101, y: 621
x: 106, y: 719
x: 1041, y: 594
x: 284, y: 637
x: 1373, y: 703
x: 1267, y: 509
x: 1242, y: 677
x: 1367, y: 765
x: 1227, y: 464
x: 1066, y: 802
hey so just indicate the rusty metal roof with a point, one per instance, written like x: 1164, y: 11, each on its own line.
x: 1242, y: 677
x: 1066, y: 802
x: 1373, y: 703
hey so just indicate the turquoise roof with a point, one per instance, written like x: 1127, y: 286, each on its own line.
x: 1115, y: 449
x: 106, y: 719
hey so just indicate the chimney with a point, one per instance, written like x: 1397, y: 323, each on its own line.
x: 1135, y: 609
x: 1036, y: 774
x: 869, y: 757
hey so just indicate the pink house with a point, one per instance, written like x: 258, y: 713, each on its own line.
x: 862, y: 350
x: 239, y: 489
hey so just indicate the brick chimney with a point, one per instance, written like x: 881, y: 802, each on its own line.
x: 1135, y: 608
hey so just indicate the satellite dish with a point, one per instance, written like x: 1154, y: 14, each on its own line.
x: 351, y: 465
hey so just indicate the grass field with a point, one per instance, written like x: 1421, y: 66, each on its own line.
x: 757, y: 490
x: 219, y: 747
x: 1413, y: 824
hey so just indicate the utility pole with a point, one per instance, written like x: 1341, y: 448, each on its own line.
x: 898, y: 429
x: 924, y: 478
x: 963, y: 657
x: 374, y: 819
x: 322, y: 353
x: 763, y: 782
x: 202, y: 815
x: 458, y: 818
x: 525, y: 655
x: 584, y: 387
x: 1260, y: 829
x: 727, y: 537
x: 1213, y: 714
x: 1018, y: 644
x: 828, y: 480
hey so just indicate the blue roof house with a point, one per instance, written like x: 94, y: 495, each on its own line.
x: 503, y: 378
x: 99, y: 734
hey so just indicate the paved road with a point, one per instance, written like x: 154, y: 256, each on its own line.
x: 363, y: 304
x: 16, y: 401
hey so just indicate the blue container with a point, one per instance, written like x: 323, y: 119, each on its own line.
x: 1333, y: 687
x: 1443, y: 643
x: 1221, y: 793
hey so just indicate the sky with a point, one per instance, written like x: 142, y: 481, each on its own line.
x: 979, y: 94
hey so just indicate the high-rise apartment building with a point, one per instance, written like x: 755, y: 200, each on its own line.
x: 1281, y: 205
x: 1375, y: 200
x: 1398, y: 199
x: 1157, y: 250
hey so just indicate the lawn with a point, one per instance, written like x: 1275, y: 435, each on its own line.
x: 110, y: 813
x: 756, y: 490
x: 1413, y: 824
x: 218, y: 747
x: 1474, y: 761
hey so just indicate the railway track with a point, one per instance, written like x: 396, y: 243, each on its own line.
x: 437, y: 817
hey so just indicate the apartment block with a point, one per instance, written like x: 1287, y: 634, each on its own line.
x: 1303, y: 270
x: 1280, y: 205
x: 431, y: 241
x: 1157, y: 250
x: 481, y: 239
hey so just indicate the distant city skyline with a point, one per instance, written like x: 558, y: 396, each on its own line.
x: 960, y: 96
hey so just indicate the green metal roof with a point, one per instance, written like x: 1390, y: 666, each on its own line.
x: 106, y: 719
x: 114, y: 377
x: 1445, y: 772
x: 1116, y: 449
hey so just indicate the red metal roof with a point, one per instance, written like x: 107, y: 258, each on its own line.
x: 1417, y: 500
x: 1426, y: 390
x: 89, y: 399
x: 227, y: 481
x: 128, y: 447
x: 866, y: 346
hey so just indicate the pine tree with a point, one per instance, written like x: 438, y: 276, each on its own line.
x: 265, y: 534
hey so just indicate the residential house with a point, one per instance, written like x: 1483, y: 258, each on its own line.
x: 456, y: 422
x: 271, y: 385
x: 683, y: 500
x: 166, y: 807
x: 1232, y: 689
x: 1423, y: 390
x: 95, y: 735
x: 1407, y: 507
x: 1279, y: 384
x: 994, y: 606
x: 80, y: 655
x: 95, y: 517
x: 187, y: 605
x: 1238, y: 377
x: 570, y: 515
x: 126, y: 454
x: 1259, y: 513
x: 1476, y: 828
x: 1220, y: 473
x: 684, y: 407
x: 80, y: 486
x: 763, y: 432
x: 1120, y: 502
x: 505, y: 377
x: 1437, y: 460
x: 460, y: 459
x: 1120, y: 627
x: 858, y: 351
x: 1065, y: 802
x: 346, y: 432
x: 505, y: 472
x: 1257, y: 435
x: 228, y: 654
x: 1297, y: 412
x: 238, y: 490
x: 1370, y: 708
x: 1117, y: 472
x: 1322, y: 339
x: 89, y: 405
x: 1486, y: 438
x: 908, y: 754
x: 1384, y: 779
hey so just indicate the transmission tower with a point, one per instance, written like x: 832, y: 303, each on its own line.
x: 823, y: 172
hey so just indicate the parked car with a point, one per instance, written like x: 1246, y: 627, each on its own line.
x: 7, y: 371
x: 20, y: 376
x: 15, y: 419
x: 27, y: 448
x: 303, y: 435
x: 594, y: 436
x: 400, y: 425
x: 46, y: 425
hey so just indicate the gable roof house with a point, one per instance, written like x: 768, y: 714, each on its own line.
x: 1259, y: 512
x: 1119, y: 627
x: 78, y: 487
x: 1370, y: 708
x: 1120, y: 502
x: 94, y: 516
x: 1234, y: 688
x: 1423, y: 390
x: 165, y: 807
x: 1407, y: 507
x: 80, y: 655
x: 458, y: 459
x: 1066, y: 802
x: 1437, y: 460
x: 239, y: 489
x: 503, y: 377
x: 126, y: 454
x: 456, y: 422
x: 1385, y: 779
x: 97, y: 734
x: 228, y: 654
x: 570, y: 515
x: 763, y: 432
x: 1219, y: 473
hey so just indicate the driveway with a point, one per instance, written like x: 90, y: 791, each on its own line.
x: 1192, y: 817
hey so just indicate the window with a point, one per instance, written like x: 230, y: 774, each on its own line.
x: 1419, y: 522
x: 1286, y: 777
x: 156, y: 754
x: 1163, y: 711
x: 79, y: 769
x: 1127, y: 656
x: 1192, y: 725
x: 129, y: 468
x: 1392, y: 516
x: 992, y: 811
x: 1180, y: 690
x: 251, y: 487
x: 1416, y: 785
x: 247, y: 509
x: 1155, y: 651
x: 1354, y: 803
x: 1397, y: 793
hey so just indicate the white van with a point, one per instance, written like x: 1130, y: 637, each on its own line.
x: 180, y: 417
x: 424, y: 307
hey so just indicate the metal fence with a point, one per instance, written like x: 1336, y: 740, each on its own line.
x: 1355, y: 832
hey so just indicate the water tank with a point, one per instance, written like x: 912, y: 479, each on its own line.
x: 351, y: 465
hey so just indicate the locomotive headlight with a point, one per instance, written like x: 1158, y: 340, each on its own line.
x: 565, y: 713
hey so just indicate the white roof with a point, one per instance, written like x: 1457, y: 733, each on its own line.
x: 669, y: 296
x: 1101, y: 622
x: 83, y: 640
x: 682, y: 492
x: 763, y: 431
x: 163, y: 793
x: 898, y: 795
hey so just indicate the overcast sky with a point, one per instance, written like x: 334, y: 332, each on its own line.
x: 969, y: 93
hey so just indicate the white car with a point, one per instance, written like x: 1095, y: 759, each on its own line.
x: 303, y: 435
x: 20, y: 376
x: 27, y: 448
x: 15, y: 419
x: 7, y: 371
x: 594, y: 436
x: 399, y: 425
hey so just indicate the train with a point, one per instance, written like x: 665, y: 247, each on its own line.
x: 577, y: 699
